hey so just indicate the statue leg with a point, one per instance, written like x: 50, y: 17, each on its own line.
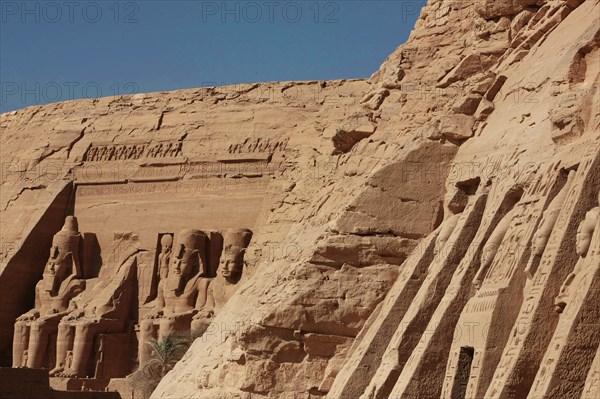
x: 560, y: 302
x: 20, y: 342
x: 82, y: 350
x: 146, y: 334
x: 166, y: 328
x: 38, y: 344
x: 199, y: 327
x: 64, y: 342
x: 183, y: 326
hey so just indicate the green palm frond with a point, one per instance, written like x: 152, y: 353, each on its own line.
x: 165, y: 354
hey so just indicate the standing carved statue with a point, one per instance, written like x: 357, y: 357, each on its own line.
x: 159, y: 151
x: 175, y: 304
x: 103, y: 309
x: 110, y: 153
x: 167, y: 150
x: 166, y: 243
x: 100, y: 156
x: 177, y: 149
x: 542, y: 235
x: 455, y: 202
x: 139, y: 151
x: 215, y: 292
x: 120, y: 153
x: 61, y: 281
x: 131, y: 150
x: 585, y: 231
x: 91, y: 154
x: 491, y: 248
x: 446, y: 230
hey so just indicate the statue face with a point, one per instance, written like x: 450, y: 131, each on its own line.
x: 486, y: 257
x: 583, y: 240
x: 235, y: 242
x: 539, y: 243
x: 184, y: 261
x: 489, y: 253
x: 57, y: 268
x: 228, y: 264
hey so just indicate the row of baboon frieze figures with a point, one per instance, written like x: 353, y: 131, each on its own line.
x: 77, y: 311
x: 133, y: 151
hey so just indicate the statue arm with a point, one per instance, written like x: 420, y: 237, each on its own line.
x: 158, y: 303
x: 205, y: 303
x: 119, y: 297
x: 116, y: 296
x: 75, y: 309
x: 33, y: 313
x: 115, y: 306
x: 38, y: 300
x: 567, y: 283
x: 74, y: 288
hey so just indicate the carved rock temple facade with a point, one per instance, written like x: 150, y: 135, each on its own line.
x: 430, y: 232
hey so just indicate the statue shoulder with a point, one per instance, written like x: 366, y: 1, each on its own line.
x: 74, y: 285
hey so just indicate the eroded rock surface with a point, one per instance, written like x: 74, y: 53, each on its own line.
x: 412, y: 234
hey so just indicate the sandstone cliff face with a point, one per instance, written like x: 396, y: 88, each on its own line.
x: 492, y: 102
x: 411, y: 231
x: 213, y: 158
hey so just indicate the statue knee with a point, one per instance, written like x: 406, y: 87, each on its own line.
x: 166, y: 327
x: 82, y: 330
x: 36, y: 326
x: 62, y: 327
x: 21, y: 326
x: 147, y: 328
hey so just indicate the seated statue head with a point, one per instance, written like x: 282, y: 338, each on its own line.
x: 235, y: 242
x: 64, y: 256
x: 585, y: 232
x: 187, y: 258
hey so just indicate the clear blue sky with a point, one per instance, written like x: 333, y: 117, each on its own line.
x: 60, y: 50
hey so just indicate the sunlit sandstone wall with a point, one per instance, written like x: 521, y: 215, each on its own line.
x: 510, y: 87
x: 213, y: 159
x: 391, y: 198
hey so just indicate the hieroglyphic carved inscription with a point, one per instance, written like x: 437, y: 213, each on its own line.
x: 133, y: 171
x: 512, y: 372
x: 493, y: 327
x: 525, y: 222
x: 180, y: 187
x: 592, y: 384
x: 578, y: 325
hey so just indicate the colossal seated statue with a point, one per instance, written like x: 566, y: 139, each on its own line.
x: 61, y: 281
x: 585, y: 231
x: 215, y: 292
x: 175, y: 304
x: 104, y: 308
